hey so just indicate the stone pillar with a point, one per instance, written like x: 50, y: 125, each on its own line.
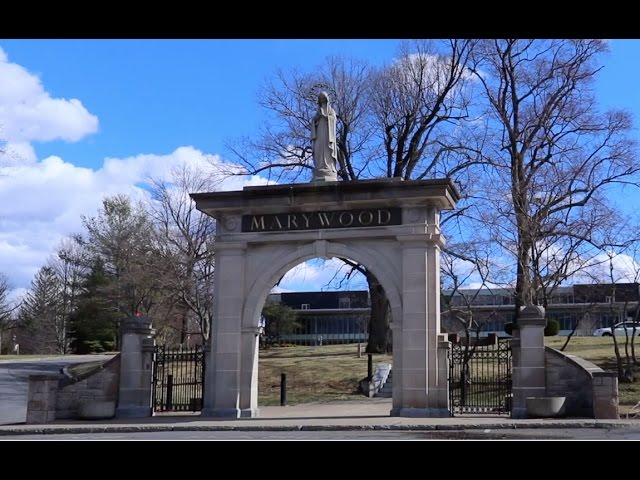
x: 249, y: 372
x: 412, y: 375
x: 222, y: 383
x: 605, y: 395
x: 136, y: 368
x: 437, y: 373
x: 41, y: 399
x: 418, y: 376
x: 528, y: 359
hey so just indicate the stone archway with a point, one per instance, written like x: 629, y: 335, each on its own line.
x: 390, y: 226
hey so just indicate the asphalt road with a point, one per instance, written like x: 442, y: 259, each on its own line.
x: 559, y: 434
x: 14, y: 382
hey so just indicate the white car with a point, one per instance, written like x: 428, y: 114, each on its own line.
x: 620, y: 328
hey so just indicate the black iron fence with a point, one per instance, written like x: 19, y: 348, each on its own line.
x: 480, y: 376
x: 178, y: 379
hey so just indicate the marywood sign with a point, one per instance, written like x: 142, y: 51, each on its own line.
x: 373, y: 217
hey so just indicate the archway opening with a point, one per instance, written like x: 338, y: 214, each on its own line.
x: 314, y: 329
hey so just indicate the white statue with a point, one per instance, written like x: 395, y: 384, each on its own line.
x: 323, y: 139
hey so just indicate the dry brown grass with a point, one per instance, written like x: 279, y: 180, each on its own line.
x: 332, y: 372
x: 17, y: 358
x: 314, y: 374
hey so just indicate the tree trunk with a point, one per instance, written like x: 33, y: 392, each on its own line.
x: 379, y: 338
x: 523, y: 284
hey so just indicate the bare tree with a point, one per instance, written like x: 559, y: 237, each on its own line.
x: 69, y: 268
x: 121, y: 237
x: 282, y: 150
x: 184, y: 244
x: 624, y: 366
x: 401, y: 120
x: 553, y: 157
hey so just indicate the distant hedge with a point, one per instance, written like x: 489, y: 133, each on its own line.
x: 552, y: 328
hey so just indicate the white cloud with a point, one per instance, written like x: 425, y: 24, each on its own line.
x: 318, y: 274
x: 625, y: 269
x: 42, y: 203
x: 29, y: 113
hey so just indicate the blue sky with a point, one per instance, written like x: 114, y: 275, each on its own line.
x: 85, y: 118
x: 155, y: 95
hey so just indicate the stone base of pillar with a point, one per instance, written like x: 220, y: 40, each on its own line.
x: 420, y: 412
x: 519, y: 412
x: 133, y: 412
x: 249, y: 412
x: 230, y: 412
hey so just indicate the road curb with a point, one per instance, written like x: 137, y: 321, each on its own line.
x: 77, y: 430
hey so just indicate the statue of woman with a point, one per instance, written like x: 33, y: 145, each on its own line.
x: 323, y: 138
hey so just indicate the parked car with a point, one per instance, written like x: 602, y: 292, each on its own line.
x: 620, y: 328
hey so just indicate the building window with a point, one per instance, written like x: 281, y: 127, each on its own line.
x: 344, y: 302
x: 305, y: 306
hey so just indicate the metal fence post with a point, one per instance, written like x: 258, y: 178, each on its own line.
x: 283, y: 389
x: 169, y: 392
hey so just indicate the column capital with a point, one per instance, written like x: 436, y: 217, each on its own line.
x: 140, y: 325
x: 230, y: 247
x: 421, y: 240
x: 532, y: 315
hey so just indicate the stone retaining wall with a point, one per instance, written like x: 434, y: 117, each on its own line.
x: 51, y: 397
x: 41, y: 400
x: 590, y: 391
x: 101, y: 386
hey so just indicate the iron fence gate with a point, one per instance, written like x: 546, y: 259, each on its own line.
x: 178, y: 379
x: 480, y: 377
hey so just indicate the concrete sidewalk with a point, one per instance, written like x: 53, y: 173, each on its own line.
x: 370, y: 414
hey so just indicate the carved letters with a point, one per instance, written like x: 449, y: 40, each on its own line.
x: 375, y: 217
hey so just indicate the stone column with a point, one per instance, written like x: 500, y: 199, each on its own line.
x: 528, y: 359
x: 605, y: 395
x: 437, y: 403
x: 418, y: 376
x: 412, y: 376
x: 222, y: 382
x: 136, y: 368
x: 249, y: 372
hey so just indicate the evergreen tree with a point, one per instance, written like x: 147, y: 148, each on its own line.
x: 93, y: 324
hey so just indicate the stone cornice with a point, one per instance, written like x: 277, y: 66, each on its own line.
x: 330, y: 195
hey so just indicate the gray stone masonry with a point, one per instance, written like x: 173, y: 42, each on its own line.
x: 51, y: 397
x: 101, y: 386
x: 41, y: 401
x: 528, y: 359
x: 136, y: 368
x: 590, y: 391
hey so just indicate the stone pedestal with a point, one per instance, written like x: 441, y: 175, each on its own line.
x: 136, y: 368
x: 528, y: 359
x: 324, y: 175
